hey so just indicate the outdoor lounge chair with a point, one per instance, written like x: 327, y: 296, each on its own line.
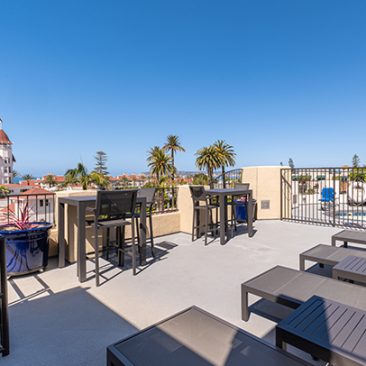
x: 327, y: 198
x: 149, y: 194
x: 115, y: 209
x: 327, y: 254
x: 202, y: 203
x: 349, y: 236
x: 291, y: 288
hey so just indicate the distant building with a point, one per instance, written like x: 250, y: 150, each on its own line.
x: 6, y: 157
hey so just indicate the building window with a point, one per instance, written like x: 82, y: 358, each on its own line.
x: 42, y: 202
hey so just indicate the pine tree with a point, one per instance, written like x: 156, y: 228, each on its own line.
x: 355, y: 161
x: 101, y: 163
x: 291, y: 163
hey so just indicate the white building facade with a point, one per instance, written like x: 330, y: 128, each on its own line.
x: 6, y: 157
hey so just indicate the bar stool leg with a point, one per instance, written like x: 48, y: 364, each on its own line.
x: 96, y: 249
x: 194, y: 220
x: 206, y: 224
x: 151, y: 236
x: 133, y: 248
x: 108, y: 243
x: 121, y: 252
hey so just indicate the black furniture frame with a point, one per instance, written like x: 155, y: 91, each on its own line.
x: 4, y: 317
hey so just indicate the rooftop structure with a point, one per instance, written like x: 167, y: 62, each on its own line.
x: 6, y: 157
x: 71, y: 311
x: 52, y: 312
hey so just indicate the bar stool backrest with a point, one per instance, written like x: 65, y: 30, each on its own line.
x: 148, y: 193
x: 198, y: 193
x: 243, y: 186
x: 115, y: 205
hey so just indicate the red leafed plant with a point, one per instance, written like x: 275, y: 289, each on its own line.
x: 20, y: 219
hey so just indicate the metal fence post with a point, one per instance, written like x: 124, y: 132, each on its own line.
x: 334, y: 198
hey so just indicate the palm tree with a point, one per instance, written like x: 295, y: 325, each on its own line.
x: 173, y: 145
x: 159, y: 163
x: 99, y: 179
x: 4, y: 191
x: 207, y: 158
x: 226, y: 157
x: 15, y: 174
x: 78, y: 175
x: 50, y: 180
x: 28, y: 178
x: 200, y: 179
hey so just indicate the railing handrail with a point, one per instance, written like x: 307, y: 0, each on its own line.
x: 24, y: 194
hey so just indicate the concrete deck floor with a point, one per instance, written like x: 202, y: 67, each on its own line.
x: 55, y: 320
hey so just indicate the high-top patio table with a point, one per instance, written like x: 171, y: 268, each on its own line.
x: 223, y: 194
x: 349, y: 236
x: 82, y: 203
x: 326, y: 329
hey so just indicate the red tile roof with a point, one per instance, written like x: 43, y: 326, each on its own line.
x: 4, y: 139
x: 36, y: 190
x: 57, y: 178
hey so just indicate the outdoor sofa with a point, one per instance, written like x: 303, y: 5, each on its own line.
x: 291, y: 288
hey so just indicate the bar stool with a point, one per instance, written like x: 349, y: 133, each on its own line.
x: 115, y: 209
x: 149, y: 195
x: 199, y: 196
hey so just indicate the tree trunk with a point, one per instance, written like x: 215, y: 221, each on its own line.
x: 209, y: 171
x: 173, y: 166
x: 223, y: 177
x: 173, y: 177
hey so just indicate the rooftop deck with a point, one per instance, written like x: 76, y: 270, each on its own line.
x: 56, y: 321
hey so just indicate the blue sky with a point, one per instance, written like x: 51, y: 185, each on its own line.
x: 276, y: 79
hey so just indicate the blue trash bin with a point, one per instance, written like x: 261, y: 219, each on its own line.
x: 241, y: 212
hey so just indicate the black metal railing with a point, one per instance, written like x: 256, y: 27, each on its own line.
x: 4, y: 318
x: 39, y: 207
x: 329, y: 196
x: 228, y: 179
